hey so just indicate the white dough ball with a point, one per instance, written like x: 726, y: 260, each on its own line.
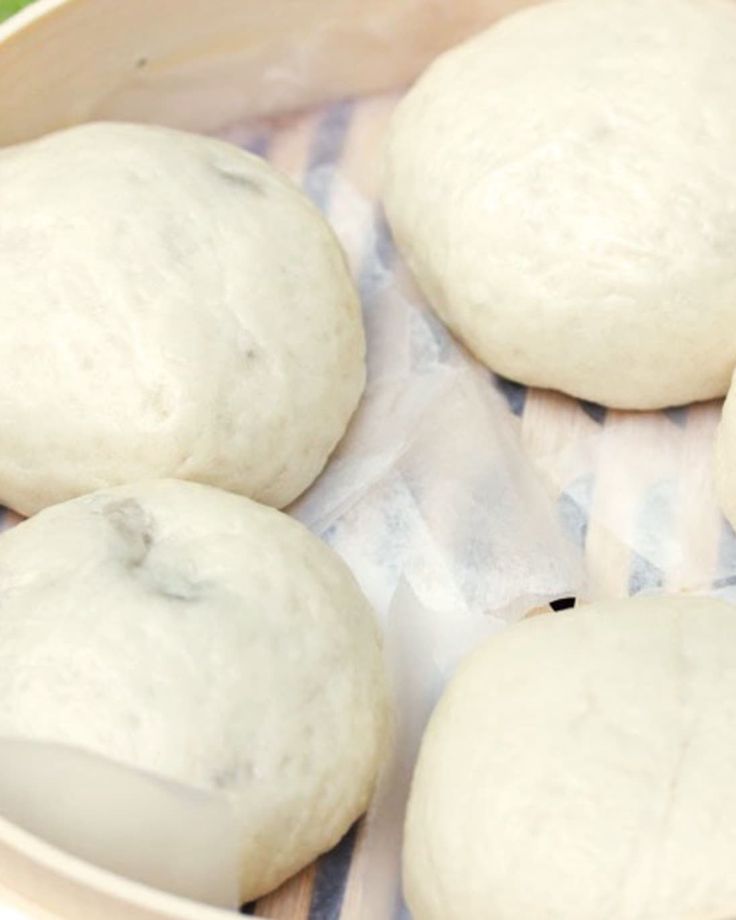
x: 563, y: 188
x: 170, y: 306
x: 582, y: 766
x: 201, y: 637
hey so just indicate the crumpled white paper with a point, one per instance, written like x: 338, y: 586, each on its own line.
x: 431, y: 487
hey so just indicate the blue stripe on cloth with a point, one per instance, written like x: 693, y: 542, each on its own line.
x: 677, y: 415
x: 513, y: 393
x: 573, y: 508
x: 431, y: 340
x: 643, y: 575
x: 725, y: 583
x: 331, y: 879
x: 259, y: 144
x: 326, y: 152
x: 651, y: 527
x: 593, y: 410
x: 374, y: 274
x: 377, y: 263
x: 726, y: 560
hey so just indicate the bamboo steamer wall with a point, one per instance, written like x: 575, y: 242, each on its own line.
x: 203, y: 64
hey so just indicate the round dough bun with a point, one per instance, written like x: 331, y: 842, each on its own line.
x: 171, y: 306
x: 582, y: 766
x: 201, y: 637
x: 563, y: 188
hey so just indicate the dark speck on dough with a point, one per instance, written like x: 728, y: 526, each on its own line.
x: 135, y: 528
x: 235, y: 177
x: 226, y: 777
x: 602, y: 132
x: 141, y: 63
x: 177, y: 586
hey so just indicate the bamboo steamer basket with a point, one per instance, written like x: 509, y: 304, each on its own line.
x: 199, y: 65
x: 204, y: 64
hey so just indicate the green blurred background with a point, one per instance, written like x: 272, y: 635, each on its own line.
x: 8, y: 7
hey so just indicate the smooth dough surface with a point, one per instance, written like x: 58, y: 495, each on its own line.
x: 170, y: 306
x: 201, y: 637
x: 562, y: 187
x: 582, y: 766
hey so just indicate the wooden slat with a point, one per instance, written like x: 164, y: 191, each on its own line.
x: 291, y: 901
